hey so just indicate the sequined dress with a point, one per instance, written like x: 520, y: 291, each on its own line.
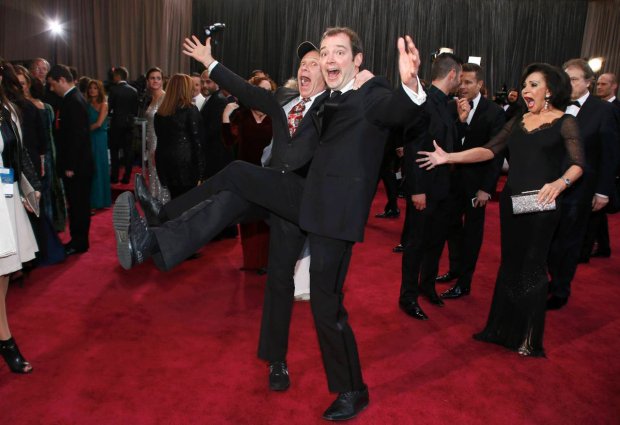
x: 157, y: 189
x: 517, y: 316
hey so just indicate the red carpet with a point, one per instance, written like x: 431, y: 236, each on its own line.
x: 146, y: 347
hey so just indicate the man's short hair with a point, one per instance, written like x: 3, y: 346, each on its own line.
x: 612, y: 77
x: 588, y: 74
x: 443, y: 64
x: 473, y: 67
x: 74, y: 73
x: 58, y: 71
x: 356, y: 42
x: 121, y: 72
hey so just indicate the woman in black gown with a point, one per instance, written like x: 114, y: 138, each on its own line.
x: 546, y: 155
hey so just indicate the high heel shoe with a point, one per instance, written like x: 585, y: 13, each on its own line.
x: 13, y: 358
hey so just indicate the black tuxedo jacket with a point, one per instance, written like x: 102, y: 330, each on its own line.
x: 599, y: 135
x: 123, y: 104
x: 217, y: 155
x: 488, y: 120
x: 435, y: 122
x: 73, y: 143
x: 287, y: 153
x: 343, y: 175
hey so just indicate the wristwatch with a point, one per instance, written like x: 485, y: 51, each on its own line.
x: 566, y: 181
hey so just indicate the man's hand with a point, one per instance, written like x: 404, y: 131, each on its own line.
x: 481, y: 199
x: 201, y: 52
x: 361, y: 78
x: 419, y: 201
x: 463, y: 109
x: 69, y: 173
x: 228, y: 110
x: 598, y: 203
x: 408, y: 62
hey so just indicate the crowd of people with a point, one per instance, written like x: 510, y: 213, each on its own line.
x: 308, y: 160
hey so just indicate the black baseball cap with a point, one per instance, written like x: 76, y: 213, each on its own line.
x: 304, y: 48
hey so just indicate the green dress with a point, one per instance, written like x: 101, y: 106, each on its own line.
x: 101, y: 193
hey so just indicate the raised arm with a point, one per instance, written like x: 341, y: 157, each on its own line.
x: 250, y: 96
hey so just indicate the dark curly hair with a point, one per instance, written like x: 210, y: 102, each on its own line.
x: 557, y: 82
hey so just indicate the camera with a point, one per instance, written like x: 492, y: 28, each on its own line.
x: 215, y: 28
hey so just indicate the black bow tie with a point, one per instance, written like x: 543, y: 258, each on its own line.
x: 334, y: 94
x: 576, y: 103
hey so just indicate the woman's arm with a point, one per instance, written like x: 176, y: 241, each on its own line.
x: 103, y: 113
x: 431, y: 159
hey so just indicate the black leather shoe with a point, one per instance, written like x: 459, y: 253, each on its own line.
x: 444, y: 278
x: 601, y: 254
x: 13, y: 358
x: 555, y: 303
x: 398, y: 249
x: 348, y: 405
x: 433, y: 298
x: 133, y: 238
x: 278, y: 376
x: 149, y: 204
x: 413, y: 309
x: 456, y: 291
x: 69, y: 250
x: 389, y: 214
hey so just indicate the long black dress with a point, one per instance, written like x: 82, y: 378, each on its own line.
x: 517, y: 316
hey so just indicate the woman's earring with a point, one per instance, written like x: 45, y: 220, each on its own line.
x: 547, y: 102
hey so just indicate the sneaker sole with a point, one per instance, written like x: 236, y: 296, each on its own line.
x: 121, y: 217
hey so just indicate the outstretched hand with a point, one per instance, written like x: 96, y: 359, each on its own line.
x: 361, y: 78
x: 432, y: 159
x: 201, y: 52
x: 408, y: 62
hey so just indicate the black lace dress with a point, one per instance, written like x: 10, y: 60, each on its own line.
x: 517, y: 316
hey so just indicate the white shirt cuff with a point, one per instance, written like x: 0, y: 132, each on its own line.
x: 602, y: 196
x: 417, y: 98
x: 212, y: 66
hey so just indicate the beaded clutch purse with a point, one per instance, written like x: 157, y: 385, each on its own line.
x: 526, y: 202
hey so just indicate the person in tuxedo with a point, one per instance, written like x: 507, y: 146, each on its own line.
x: 74, y: 155
x: 427, y: 193
x: 197, y: 98
x: 217, y: 155
x: 598, y: 228
x: 123, y: 103
x: 599, y: 133
x: 333, y: 204
x: 471, y: 185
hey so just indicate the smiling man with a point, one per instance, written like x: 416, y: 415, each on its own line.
x: 322, y: 188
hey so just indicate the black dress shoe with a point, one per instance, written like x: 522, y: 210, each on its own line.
x: 69, y: 250
x: 348, y: 405
x: 555, y: 303
x: 389, y: 214
x: 456, y: 291
x: 278, y: 376
x: 601, y: 254
x: 149, y: 204
x: 413, y: 309
x: 433, y: 298
x: 134, y: 240
x: 444, y: 278
x: 398, y: 249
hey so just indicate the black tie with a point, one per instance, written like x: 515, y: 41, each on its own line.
x: 576, y: 103
x: 471, y: 104
x: 334, y: 94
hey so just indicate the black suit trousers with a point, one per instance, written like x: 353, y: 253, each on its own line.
x: 566, y: 246
x: 465, y: 235
x: 424, y: 238
x: 77, y: 189
x: 121, y: 137
x: 228, y: 197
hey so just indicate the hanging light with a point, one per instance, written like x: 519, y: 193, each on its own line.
x: 596, y: 64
